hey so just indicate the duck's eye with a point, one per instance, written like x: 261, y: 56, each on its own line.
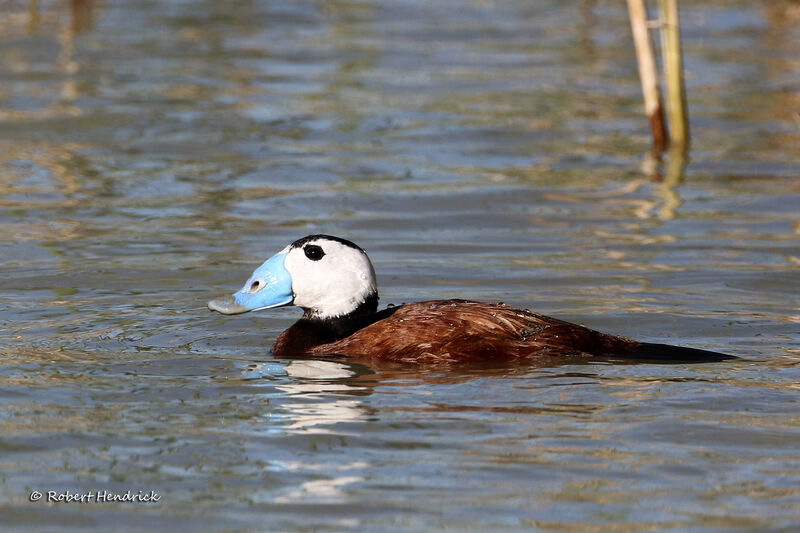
x: 314, y: 252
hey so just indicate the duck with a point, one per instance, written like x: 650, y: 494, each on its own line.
x: 333, y: 281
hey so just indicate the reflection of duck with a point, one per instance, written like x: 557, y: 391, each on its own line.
x: 333, y: 281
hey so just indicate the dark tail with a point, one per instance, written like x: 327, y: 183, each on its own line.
x: 676, y: 354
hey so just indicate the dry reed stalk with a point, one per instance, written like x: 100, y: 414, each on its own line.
x: 648, y: 74
x: 673, y: 74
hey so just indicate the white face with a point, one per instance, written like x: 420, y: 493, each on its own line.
x: 332, y: 283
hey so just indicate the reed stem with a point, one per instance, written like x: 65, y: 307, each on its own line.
x: 648, y: 73
x: 673, y: 74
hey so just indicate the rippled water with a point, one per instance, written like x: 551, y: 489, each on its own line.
x: 153, y: 153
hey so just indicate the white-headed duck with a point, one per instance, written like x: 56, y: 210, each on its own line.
x: 333, y: 281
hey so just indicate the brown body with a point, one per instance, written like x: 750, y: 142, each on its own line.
x: 455, y: 330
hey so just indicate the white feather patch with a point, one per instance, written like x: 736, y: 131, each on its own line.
x: 334, y: 285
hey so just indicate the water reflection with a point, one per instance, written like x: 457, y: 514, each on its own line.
x: 669, y: 176
x: 316, y: 398
x: 316, y: 395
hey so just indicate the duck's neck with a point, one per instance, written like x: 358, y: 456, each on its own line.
x: 313, y: 330
x: 339, y: 327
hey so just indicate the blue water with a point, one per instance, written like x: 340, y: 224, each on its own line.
x: 152, y: 154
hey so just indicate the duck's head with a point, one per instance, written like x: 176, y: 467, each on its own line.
x: 326, y: 276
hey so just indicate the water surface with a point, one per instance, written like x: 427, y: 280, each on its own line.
x: 153, y: 153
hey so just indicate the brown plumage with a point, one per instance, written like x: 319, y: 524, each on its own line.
x: 462, y: 330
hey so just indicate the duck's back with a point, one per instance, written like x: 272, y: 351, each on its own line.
x: 460, y: 330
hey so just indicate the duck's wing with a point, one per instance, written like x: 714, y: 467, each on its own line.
x: 460, y: 330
